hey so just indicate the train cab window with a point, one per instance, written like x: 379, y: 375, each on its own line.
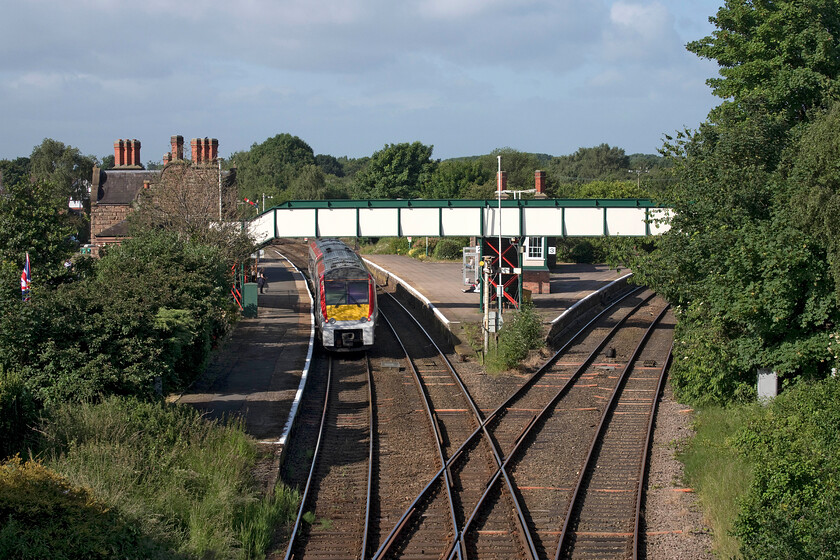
x: 344, y: 292
x: 357, y: 293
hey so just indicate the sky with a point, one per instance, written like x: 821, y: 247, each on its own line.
x: 352, y: 76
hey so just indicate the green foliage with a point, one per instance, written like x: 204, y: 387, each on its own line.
x: 588, y: 164
x: 450, y: 248
x: 181, y: 479
x: 739, y: 246
x: 310, y: 184
x: 329, y: 165
x: 458, y: 179
x: 62, y: 167
x: 389, y: 246
x: 782, y: 56
x: 18, y: 413
x: 792, y: 507
x: 14, y: 171
x: 272, y: 166
x: 150, y: 309
x: 716, y: 471
x: 46, y: 516
x: 261, y: 518
x: 31, y: 221
x: 521, y: 332
x: 396, y: 171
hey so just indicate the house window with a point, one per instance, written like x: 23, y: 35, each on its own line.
x: 535, y: 247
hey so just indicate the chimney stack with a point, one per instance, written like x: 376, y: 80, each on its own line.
x: 167, y: 157
x: 196, y: 150
x: 539, y: 182
x: 214, y: 149
x: 501, y: 180
x: 177, y: 143
x: 134, y: 158
x: 119, y: 153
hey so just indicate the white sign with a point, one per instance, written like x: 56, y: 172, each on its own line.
x: 552, y: 250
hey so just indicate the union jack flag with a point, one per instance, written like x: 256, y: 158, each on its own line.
x: 25, y: 279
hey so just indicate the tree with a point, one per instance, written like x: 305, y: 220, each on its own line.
x: 189, y: 200
x: 752, y: 282
x: 782, y: 56
x: 63, y: 167
x: 31, y: 222
x: 308, y: 185
x: 589, y: 164
x: 329, y: 165
x: 519, y: 167
x: 13, y: 171
x: 272, y: 166
x: 457, y: 179
x: 396, y: 171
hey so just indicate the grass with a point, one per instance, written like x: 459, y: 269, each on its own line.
x: 717, y: 473
x: 180, y: 478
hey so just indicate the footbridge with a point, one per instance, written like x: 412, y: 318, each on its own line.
x: 547, y: 217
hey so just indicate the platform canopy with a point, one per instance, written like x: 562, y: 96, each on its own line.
x: 549, y: 217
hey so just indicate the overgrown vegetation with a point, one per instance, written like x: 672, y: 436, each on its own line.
x: 182, y: 484
x: 521, y: 332
x: 717, y: 472
x: 792, y: 509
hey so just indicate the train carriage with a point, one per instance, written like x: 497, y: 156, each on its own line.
x: 345, y: 294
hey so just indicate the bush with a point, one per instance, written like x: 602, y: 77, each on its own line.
x: 792, y: 509
x: 45, y: 516
x: 18, y: 413
x: 182, y: 479
x: 450, y: 248
x: 522, y: 333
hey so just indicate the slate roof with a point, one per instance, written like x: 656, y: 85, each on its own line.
x: 119, y: 229
x: 121, y: 186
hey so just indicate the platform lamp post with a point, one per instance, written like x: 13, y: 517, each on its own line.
x: 264, y: 196
x: 500, y: 288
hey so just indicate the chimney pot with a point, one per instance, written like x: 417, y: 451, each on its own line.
x: 196, y: 150
x: 177, y: 144
x: 119, y: 153
x: 135, y: 153
x: 501, y: 181
x: 539, y: 181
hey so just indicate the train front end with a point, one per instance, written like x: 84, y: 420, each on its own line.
x: 348, y: 309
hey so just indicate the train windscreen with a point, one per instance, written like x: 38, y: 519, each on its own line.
x: 346, y: 292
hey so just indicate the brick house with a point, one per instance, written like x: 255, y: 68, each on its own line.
x: 114, y: 191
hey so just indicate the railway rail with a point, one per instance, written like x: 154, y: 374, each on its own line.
x: 338, y: 488
x: 555, y: 471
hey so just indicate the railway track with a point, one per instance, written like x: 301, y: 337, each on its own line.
x: 469, y: 455
x: 556, y: 471
x: 336, y: 497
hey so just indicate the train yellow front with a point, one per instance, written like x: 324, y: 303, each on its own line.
x: 345, y: 296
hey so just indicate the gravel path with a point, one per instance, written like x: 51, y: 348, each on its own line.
x: 674, y: 522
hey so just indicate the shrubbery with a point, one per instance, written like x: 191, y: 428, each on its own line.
x: 450, y: 248
x: 45, y: 516
x: 522, y: 332
x: 18, y: 413
x: 182, y: 481
x: 792, y: 509
x: 147, y: 312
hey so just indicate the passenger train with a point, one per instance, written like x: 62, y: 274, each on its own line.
x: 345, y: 295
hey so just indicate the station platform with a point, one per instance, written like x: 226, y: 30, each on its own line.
x: 442, y: 284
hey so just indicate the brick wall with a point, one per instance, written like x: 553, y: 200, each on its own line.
x: 104, y: 216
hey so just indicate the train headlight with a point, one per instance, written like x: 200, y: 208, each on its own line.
x: 332, y: 320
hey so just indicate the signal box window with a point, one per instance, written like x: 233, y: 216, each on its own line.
x: 535, y: 248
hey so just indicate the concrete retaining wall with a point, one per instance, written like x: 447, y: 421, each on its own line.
x: 584, y: 310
